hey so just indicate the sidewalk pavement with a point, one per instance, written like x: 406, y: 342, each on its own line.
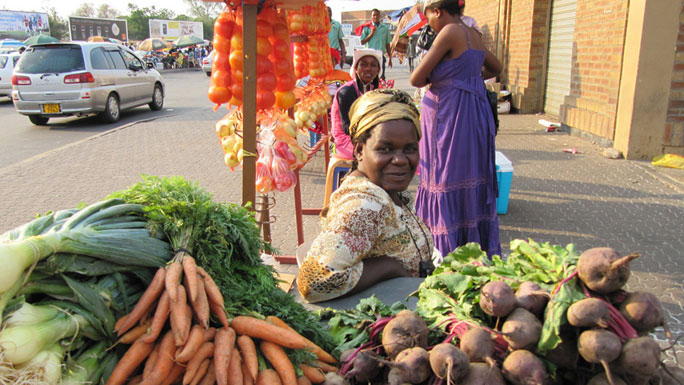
x: 556, y: 196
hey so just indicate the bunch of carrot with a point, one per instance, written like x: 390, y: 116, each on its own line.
x: 189, y: 351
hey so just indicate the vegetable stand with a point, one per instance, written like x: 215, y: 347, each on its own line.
x: 261, y: 84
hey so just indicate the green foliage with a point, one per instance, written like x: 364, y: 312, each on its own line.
x: 224, y: 239
x: 59, y: 28
x: 138, y: 20
x: 349, y: 327
x: 86, y: 9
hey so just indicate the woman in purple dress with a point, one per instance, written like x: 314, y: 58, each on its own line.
x: 457, y: 194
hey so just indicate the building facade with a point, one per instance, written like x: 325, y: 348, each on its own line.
x: 609, y: 70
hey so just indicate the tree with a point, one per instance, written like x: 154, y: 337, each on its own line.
x: 105, y: 11
x: 206, y: 12
x: 59, y: 29
x: 85, y: 9
x: 138, y: 20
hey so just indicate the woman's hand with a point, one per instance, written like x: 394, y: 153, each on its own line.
x: 492, y: 66
x: 378, y: 269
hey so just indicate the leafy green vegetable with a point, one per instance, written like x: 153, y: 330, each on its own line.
x: 555, y: 315
x: 349, y: 327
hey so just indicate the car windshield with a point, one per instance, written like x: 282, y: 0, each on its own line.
x: 51, y: 59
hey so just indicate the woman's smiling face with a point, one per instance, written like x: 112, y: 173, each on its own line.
x: 389, y: 157
x: 367, y: 69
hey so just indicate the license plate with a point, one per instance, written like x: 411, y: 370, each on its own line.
x: 51, y: 109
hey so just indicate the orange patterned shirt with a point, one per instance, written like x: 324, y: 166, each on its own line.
x: 362, y: 222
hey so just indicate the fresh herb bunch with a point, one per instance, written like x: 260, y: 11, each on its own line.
x: 452, y: 293
x: 224, y: 239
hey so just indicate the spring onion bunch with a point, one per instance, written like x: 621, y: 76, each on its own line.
x: 111, y: 230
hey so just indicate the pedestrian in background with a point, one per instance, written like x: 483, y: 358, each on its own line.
x: 469, y: 20
x: 365, y: 72
x: 335, y: 36
x: 377, y: 36
x: 457, y: 194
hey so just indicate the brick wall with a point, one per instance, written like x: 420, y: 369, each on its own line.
x: 673, y: 139
x: 486, y: 13
x: 600, y: 27
x: 525, y: 53
x: 355, y: 18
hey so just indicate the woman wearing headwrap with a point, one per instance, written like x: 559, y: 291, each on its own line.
x: 369, y: 232
x: 365, y: 71
x: 457, y: 193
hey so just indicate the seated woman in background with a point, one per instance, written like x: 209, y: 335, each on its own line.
x: 365, y: 73
x: 369, y: 231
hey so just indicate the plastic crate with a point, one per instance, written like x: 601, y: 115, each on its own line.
x: 504, y: 177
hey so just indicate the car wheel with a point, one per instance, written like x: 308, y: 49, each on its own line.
x: 112, y: 111
x: 208, y: 73
x: 157, y: 99
x: 38, y: 120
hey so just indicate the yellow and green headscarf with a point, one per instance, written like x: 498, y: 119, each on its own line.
x: 380, y: 106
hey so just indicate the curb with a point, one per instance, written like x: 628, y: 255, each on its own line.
x: 198, y: 69
x: 671, y: 181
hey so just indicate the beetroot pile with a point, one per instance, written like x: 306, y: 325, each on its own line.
x: 545, y: 315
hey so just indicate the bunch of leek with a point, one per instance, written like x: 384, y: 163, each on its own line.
x: 111, y: 230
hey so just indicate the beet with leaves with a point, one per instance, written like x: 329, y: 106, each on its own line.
x: 405, y: 331
x: 603, y: 270
x: 521, y: 330
x: 497, y: 299
x: 449, y: 362
x: 600, y: 346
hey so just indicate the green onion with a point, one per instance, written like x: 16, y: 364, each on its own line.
x: 46, y: 365
x: 21, y: 343
x: 29, y: 314
x: 85, y: 367
x: 132, y: 246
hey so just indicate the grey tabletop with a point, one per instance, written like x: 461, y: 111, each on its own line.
x: 389, y: 292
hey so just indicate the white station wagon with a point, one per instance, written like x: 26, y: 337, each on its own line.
x: 78, y: 78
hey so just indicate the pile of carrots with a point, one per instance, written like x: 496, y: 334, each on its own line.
x: 190, y: 352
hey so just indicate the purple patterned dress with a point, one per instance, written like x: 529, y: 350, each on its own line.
x: 457, y: 194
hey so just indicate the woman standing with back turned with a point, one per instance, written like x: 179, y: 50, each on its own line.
x: 456, y: 197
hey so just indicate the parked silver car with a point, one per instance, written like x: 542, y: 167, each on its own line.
x: 7, y: 63
x: 207, y: 62
x: 78, y: 78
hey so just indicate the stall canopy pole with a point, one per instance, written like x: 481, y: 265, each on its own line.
x: 249, y: 15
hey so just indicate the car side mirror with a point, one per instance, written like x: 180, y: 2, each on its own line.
x: 134, y: 67
x: 150, y: 65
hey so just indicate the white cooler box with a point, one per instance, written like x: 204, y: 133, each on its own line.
x: 504, y: 177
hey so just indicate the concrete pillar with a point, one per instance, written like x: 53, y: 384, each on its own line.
x: 649, y: 53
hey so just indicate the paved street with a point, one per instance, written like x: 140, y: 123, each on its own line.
x: 556, y: 196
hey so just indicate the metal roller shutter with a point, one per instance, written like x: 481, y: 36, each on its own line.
x: 559, y: 66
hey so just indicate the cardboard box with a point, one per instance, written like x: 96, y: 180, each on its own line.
x: 504, y: 177
x: 494, y: 86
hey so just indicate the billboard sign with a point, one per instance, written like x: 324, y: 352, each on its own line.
x: 173, y: 29
x: 81, y: 28
x: 22, y: 25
